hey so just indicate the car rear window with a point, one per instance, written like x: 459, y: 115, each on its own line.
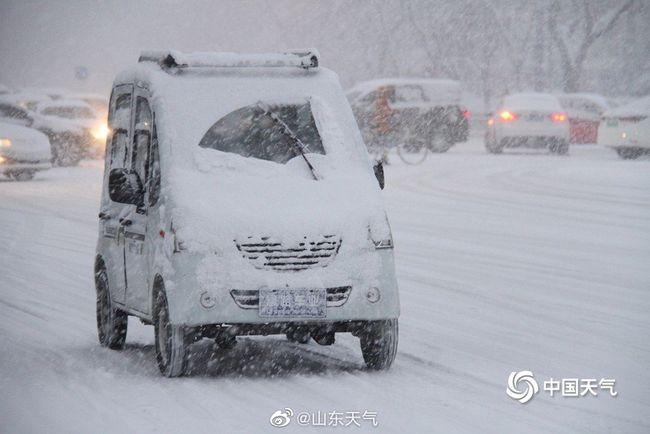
x: 250, y: 132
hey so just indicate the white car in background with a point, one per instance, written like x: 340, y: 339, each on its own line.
x: 534, y: 120
x: 23, y: 151
x: 627, y: 129
x: 74, y: 129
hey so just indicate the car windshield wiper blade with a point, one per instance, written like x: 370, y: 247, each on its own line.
x: 298, y: 145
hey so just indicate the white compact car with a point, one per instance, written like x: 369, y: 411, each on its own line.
x: 23, y: 151
x: 627, y: 129
x: 528, y: 120
x: 239, y: 199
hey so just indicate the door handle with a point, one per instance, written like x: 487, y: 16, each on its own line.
x: 104, y: 216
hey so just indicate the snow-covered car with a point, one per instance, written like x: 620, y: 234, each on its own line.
x: 583, y: 111
x: 28, y: 99
x: 410, y: 112
x: 239, y: 199
x: 23, y: 151
x: 74, y: 129
x: 534, y: 120
x: 627, y: 129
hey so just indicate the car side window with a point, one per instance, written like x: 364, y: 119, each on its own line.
x: 141, y: 139
x: 119, y: 123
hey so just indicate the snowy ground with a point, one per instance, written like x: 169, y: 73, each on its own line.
x: 523, y: 261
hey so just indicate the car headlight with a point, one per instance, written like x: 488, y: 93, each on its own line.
x: 5, y: 143
x: 380, y: 234
x: 100, y: 131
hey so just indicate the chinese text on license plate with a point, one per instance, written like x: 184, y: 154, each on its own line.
x: 286, y: 303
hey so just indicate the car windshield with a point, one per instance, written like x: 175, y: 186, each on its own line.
x: 250, y: 132
x: 69, y: 112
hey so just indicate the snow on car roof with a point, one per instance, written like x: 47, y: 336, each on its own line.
x: 531, y: 100
x: 592, y: 97
x: 189, y: 102
x: 635, y: 108
x: 436, y: 89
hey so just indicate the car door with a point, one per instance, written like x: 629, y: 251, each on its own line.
x: 111, y: 212
x: 135, y: 225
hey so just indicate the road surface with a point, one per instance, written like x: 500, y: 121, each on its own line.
x: 521, y: 261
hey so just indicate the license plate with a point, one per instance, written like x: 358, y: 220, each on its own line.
x: 536, y: 117
x: 292, y: 303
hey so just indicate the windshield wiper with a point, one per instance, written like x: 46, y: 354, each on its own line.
x: 298, y: 145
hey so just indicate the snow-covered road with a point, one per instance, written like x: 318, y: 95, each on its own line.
x: 523, y: 261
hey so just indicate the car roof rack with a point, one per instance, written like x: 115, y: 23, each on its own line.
x: 174, y: 60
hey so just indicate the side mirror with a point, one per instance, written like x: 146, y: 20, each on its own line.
x: 379, y: 173
x: 125, y: 186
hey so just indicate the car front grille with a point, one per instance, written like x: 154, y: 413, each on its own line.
x: 269, y: 254
x: 250, y: 298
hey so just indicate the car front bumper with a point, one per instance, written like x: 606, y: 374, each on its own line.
x: 188, y: 293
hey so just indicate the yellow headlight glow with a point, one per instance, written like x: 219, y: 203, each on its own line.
x: 100, y: 131
x: 5, y: 143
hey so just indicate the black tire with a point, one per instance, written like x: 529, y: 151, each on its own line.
x: 172, y: 345
x: 112, y: 323
x: 492, y: 147
x: 379, y: 343
x: 440, y: 142
x: 628, y: 153
x: 560, y: 147
x: 22, y: 175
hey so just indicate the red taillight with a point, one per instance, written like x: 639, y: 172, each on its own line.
x: 506, y: 116
x: 558, y: 117
x: 465, y: 114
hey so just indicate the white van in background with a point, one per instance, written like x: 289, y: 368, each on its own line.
x: 239, y: 199
x: 627, y: 129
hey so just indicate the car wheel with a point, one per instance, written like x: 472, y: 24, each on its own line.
x: 171, y: 343
x: 492, y: 147
x: 628, y: 153
x: 23, y: 175
x: 440, y: 142
x: 560, y: 147
x: 111, y: 322
x: 379, y: 343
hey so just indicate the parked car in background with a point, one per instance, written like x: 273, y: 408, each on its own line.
x: 534, y: 120
x: 26, y: 99
x: 627, y: 129
x: 584, y: 111
x: 74, y: 130
x: 23, y: 151
x: 411, y: 112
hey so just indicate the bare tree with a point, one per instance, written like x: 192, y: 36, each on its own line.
x: 593, y: 29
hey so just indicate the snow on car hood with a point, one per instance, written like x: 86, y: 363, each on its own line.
x: 216, y: 210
